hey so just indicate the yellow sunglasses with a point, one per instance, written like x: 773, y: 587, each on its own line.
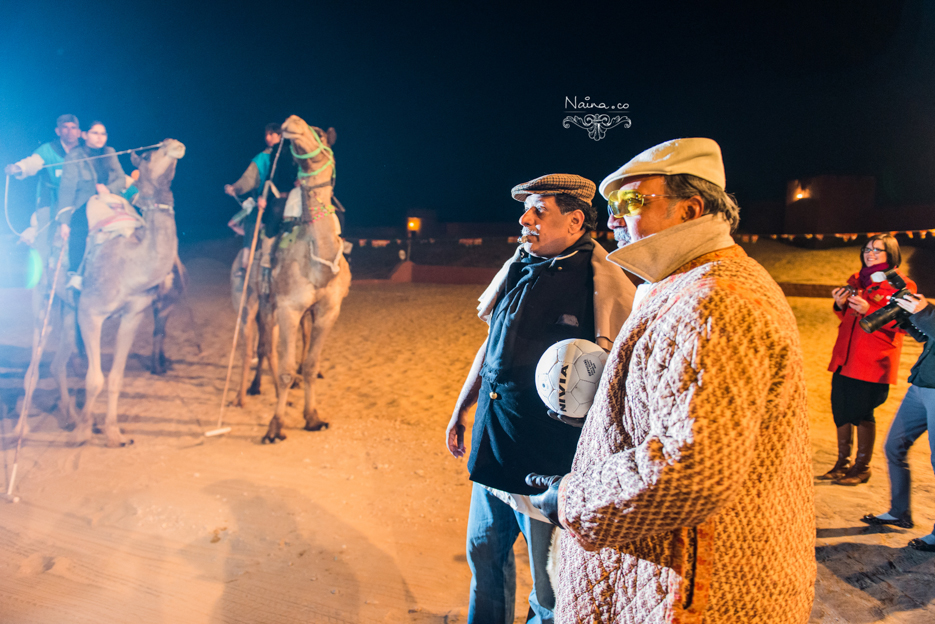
x: 621, y: 203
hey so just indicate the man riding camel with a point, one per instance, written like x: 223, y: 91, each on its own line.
x: 46, y: 161
x: 251, y: 183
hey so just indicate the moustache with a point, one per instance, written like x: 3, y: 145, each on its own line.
x: 526, y: 233
x: 622, y: 236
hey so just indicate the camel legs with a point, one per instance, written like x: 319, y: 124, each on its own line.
x: 129, y: 323
x: 325, y: 314
x: 65, y: 316
x: 94, y: 379
x: 272, y: 351
x: 160, y: 317
x: 288, y: 321
x: 249, y: 325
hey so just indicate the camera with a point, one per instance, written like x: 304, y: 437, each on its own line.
x: 891, y: 311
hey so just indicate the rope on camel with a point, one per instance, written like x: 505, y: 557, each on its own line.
x: 6, y: 189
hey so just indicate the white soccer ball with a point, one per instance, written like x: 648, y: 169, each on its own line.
x: 567, y: 376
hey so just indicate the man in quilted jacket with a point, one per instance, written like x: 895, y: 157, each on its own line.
x: 690, y: 495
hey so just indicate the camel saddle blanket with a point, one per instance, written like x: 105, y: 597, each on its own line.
x: 110, y: 216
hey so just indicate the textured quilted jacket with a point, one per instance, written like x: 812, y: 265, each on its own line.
x: 690, y: 498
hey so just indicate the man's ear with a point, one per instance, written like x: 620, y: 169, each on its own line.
x: 576, y: 222
x: 692, y: 208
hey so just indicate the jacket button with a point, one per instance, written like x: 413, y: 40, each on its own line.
x: 559, y: 268
x: 494, y: 396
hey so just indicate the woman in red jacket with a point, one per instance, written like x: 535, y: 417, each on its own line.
x: 864, y: 365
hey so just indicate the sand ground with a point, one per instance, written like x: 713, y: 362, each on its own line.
x: 363, y: 522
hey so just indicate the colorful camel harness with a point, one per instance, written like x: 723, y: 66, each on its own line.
x: 312, y: 215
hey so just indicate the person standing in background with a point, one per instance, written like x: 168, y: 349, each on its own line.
x: 864, y: 365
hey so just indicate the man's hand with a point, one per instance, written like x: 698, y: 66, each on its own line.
x: 912, y: 303
x: 28, y: 235
x: 102, y: 189
x: 858, y: 304
x: 547, y: 502
x: 64, y: 231
x: 229, y: 189
x: 12, y: 170
x: 261, y: 203
x: 568, y: 420
x: 455, y: 435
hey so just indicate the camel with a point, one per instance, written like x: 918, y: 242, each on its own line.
x: 257, y: 337
x: 309, y: 276
x: 259, y: 331
x: 124, y: 275
x: 63, y: 316
x: 169, y: 294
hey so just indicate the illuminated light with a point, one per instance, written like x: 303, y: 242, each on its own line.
x: 799, y: 195
x: 34, y: 269
x: 414, y: 224
x: 20, y: 267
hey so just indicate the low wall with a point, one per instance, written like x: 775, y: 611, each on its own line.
x: 807, y: 290
x: 427, y: 274
x: 409, y: 272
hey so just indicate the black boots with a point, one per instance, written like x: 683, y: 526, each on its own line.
x: 860, y: 471
x: 845, y: 434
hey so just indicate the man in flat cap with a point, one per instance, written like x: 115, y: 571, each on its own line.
x: 558, y: 285
x: 46, y: 162
x: 690, y: 496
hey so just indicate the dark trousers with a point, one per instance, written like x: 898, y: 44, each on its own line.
x: 78, y: 239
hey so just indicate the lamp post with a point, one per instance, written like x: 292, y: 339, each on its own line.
x: 413, y: 224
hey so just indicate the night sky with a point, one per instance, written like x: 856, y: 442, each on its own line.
x: 447, y: 106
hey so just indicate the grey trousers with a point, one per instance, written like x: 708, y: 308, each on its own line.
x: 916, y: 415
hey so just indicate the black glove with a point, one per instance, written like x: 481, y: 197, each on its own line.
x: 547, y: 502
x: 568, y: 420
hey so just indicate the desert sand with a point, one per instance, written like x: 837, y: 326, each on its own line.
x: 362, y: 522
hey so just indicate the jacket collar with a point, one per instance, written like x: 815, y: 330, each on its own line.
x: 656, y: 257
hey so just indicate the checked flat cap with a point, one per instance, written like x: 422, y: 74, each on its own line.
x: 556, y: 184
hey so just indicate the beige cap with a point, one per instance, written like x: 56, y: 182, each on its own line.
x: 697, y: 157
x: 556, y: 184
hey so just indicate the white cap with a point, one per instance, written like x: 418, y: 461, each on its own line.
x: 697, y: 157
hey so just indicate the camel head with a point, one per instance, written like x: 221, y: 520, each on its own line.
x: 296, y: 129
x: 157, y: 167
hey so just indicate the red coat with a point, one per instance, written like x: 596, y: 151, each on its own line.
x: 868, y: 357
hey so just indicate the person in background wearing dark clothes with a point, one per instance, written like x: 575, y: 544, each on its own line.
x: 273, y: 204
x: 864, y: 365
x: 82, y: 179
x: 558, y: 285
x: 916, y: 415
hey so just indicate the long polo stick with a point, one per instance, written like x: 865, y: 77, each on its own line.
x: 219, y: 430
x: 32, y: 378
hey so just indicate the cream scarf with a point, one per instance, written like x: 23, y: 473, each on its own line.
x: 654, y: 258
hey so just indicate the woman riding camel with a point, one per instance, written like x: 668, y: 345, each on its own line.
x: 81, y: 179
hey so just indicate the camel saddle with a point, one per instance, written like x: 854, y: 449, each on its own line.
x: 110, y: 216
